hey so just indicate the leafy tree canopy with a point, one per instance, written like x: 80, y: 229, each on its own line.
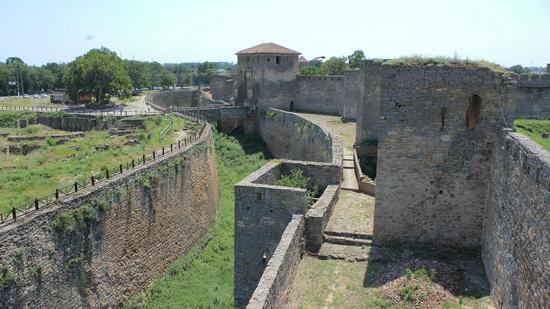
x: 309, y: 70
x: 334, y: 66
x: 100, y: 73
x: 518, y: 69
x: 356, y: 58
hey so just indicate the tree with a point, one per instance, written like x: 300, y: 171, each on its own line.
x: 518, y: 69
x: 309, y: 70
x: 167, y: 78
x: 138, y: 72
x: 58, y: 70
x: 99, y: 73
x: 203, y: 72
x: 356, y: 58
x: 334, y: 66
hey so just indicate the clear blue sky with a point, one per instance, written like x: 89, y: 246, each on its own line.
x: 503, y: 31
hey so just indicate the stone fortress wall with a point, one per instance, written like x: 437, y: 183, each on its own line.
x: 320, y: 94
x: 222, y: 85
x: 273, y: 223
x: 368, y: 108
x: 101, y: 245
x: 448, y: 176
x: 515, y: 247
x: 290, y: 136
x: 532, y: 96
x: 176, y: 98
x: 433, y: 168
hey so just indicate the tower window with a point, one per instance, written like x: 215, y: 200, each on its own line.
x: 473, y: 111
x: 268, y: 59
x: 277, y: 60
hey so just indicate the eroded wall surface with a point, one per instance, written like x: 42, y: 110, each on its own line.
x: 290, y: 136
x: 515, y: 246
x: 222, y: 85
x: 353, y: 94
x: 368, y: 110
x: 320, y: 94
x: 433, y: 168
x: 176, y: 98
x: 262, y: 213
x: 274, y: 287
x: 532, y: 97
x: 103, y: 244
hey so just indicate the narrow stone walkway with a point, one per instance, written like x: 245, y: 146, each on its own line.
x: 350, y: 226
x: 349, y: 181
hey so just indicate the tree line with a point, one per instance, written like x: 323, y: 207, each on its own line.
x: 101, y: 73
x: 334, y: 65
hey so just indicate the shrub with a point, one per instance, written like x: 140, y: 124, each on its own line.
x: 20, y: 252
x: 296, y: 179
x: 50, y: 141
x: 70, y: 221
x: 7, y: 276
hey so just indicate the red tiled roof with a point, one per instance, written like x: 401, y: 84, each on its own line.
x: 268, y: 48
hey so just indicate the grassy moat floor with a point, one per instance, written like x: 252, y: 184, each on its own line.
x: 53, y: 165
x: 534, y: 128
x: 392, y: 278
x: 203, y: 278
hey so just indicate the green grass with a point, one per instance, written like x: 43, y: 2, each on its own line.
x: 28, y: 102
x: 24, y: 178
x: 420, y: 60
x: 533, y: 128
x: 7, y: 119
x: 203, y: 278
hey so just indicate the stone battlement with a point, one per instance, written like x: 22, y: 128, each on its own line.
x: 534, y: 80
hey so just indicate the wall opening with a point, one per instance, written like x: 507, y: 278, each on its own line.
x: 291, y: 106
x: 473, y: 111
x: 278, y: 60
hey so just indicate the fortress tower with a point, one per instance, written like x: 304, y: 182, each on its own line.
x: 267, y: 76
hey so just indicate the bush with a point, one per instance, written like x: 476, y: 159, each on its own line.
x: 7, y: 276
x: 296, y: 179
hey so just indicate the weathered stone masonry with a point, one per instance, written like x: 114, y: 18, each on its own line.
x: 320, y: 94
x: 293, y: 137
x: 176, y: 98
x: 516, y: 231
x: 433, y: 169
x: 145, y: 220
x: 263, y: 210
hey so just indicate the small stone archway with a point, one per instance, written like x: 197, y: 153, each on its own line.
x: 473, y: 111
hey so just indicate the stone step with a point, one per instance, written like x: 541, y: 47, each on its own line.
x: 355, y: 253
x: 348, y: 157
x: 348, y: 164
x: 330, y: 251
x: 348, y: 241
x: 348, y: 234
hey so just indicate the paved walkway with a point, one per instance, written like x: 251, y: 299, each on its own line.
x: 354, y: 211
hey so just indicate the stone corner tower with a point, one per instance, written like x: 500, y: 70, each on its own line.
x: 267, y: 76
